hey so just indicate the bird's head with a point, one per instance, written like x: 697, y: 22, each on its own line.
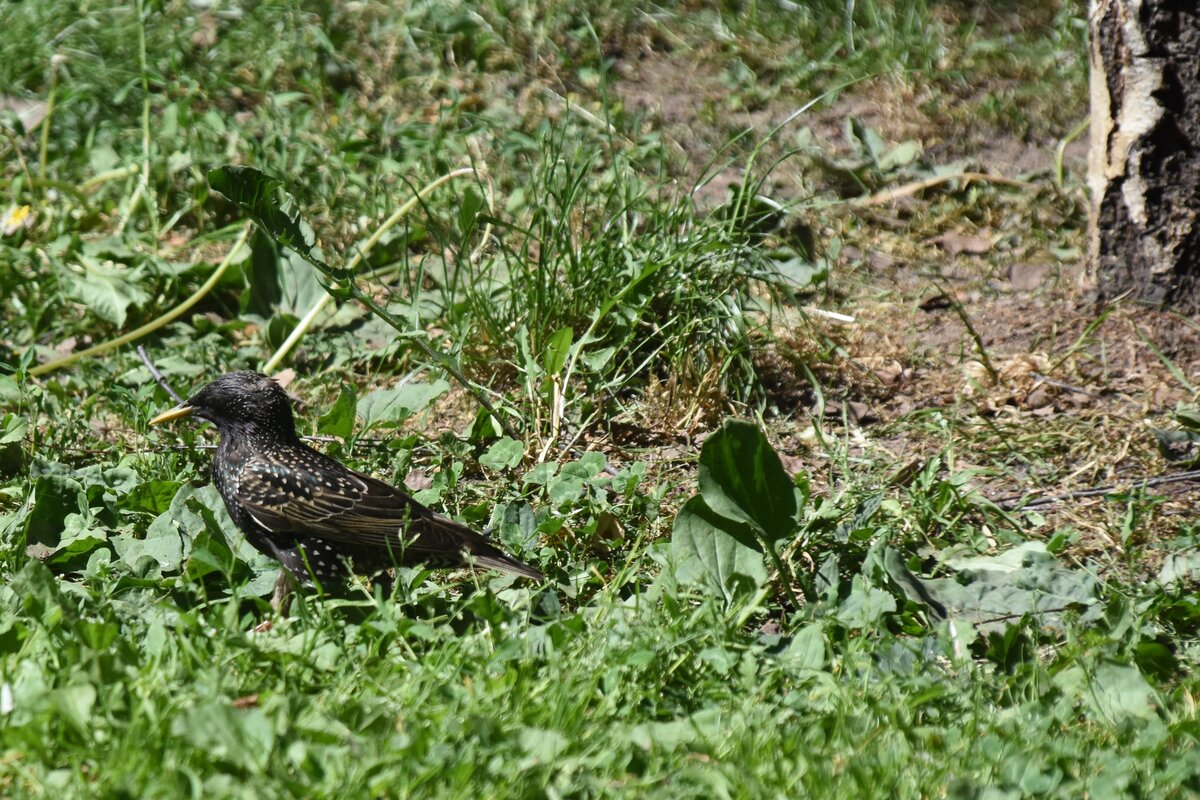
x: 239, y: 402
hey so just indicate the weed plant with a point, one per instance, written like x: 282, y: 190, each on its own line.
x: 715, y: 625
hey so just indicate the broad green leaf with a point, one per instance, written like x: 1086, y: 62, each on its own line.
x: 899, y: 156
x: 1121, y: 690
x: 13, y: 429
x: 209, y: 548
x: 1187, y: 415
x: 912, y: 586
x: 278, y: 328
x: 484, y: 427
x: 592, y: 462
x: 108, y: 291
x: 166, y: 551
x: 1012, y: 560
x: 300, y: 286
x: 153, y: 496
x: 543, y: 745
x: 169, y: 537
x: 261, y: 271
x: 98, y: 562
x: 996, y: 591
x: 54, y: 497
x: 107, y: 482
x: 243, y: 737
x: 40, y: 592
x: 721, y: 659
x: 468, y: 211
x: 339, y: 420
x: 541, y: 473
x: 171, y: 366
x: 96, y: 634
x: 797, y: 272
x: 595, y: 360
x: 208, y: 553
x: 393, y: 406
x: 75, y: 703
x: 79, y: 536
x: 505, y: 453
x: 557, y: 350
x: 1184, y: 565
x: 742, y: 478
x: 11, y: 392
x: 431, y: 496
x: 1156, y: 659
x: 865, y: 605
x: 807, y: 648
x: 669, y: 735
x: 285, y: 99
x: 709, y: 554
x: 207, y: 505
x: 1112, y: 691
x: 871, y: 142
x: 265, y: 201
x: 566, y: 487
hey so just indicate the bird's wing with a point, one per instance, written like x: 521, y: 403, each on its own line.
x: 320, y: 497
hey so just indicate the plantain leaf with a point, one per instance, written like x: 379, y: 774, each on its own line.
x: 339, y: 420
x: 742, y: 478
x: 265, y: 201
x: 108, y: 291
x: 393, y: 406
x: 709, y: 553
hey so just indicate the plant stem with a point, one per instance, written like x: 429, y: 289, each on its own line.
x: 144, y: 182
x: 44, y: 144
x: 447, y: 363
x: 154, y: 324
x: 307, y: 321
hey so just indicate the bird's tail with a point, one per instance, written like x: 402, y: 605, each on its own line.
x: 477, y: 550
x: 497, y: 560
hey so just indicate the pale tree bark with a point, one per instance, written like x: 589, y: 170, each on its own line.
x: 1144, y: 165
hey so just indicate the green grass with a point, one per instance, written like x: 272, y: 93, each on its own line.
x: 614, y: 317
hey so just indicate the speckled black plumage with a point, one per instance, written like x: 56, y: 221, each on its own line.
x: 318, y: 518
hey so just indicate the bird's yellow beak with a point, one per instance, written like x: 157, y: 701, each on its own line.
x: 177, y: 412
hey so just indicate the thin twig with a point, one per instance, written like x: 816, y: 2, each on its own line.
x: 833, y: 316
x: 1070, y: 387
x: 584, y: 114
x: 917, y: 186
x: 307, y: 321
x: 153, y: 324
x: 1020, y: 614
x: 1024, y: 501
x: 447, y: 363
x: 957, y: 307
x: 1060, y: 152
x: 158, y: 376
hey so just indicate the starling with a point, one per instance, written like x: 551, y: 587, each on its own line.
x: 319, y: 519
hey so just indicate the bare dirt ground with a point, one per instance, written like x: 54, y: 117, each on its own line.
x: 976, y: 318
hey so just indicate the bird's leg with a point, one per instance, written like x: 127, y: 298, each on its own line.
x: 281, y: 599
x: 384, y: 581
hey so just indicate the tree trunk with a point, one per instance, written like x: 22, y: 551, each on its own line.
x: 1144, y: 165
